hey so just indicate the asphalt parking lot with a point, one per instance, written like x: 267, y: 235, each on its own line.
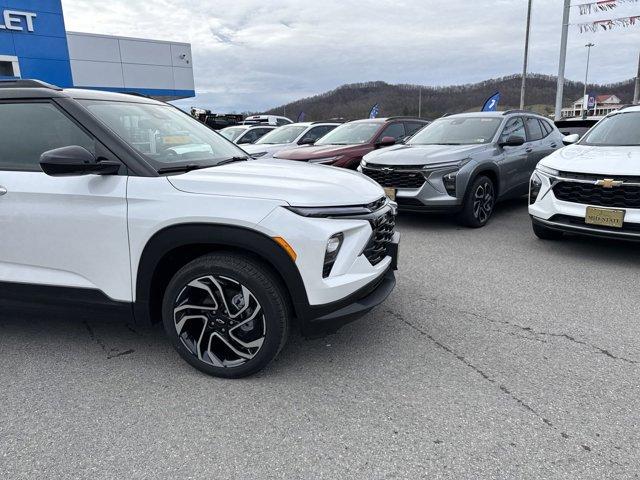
x: 497, y: 356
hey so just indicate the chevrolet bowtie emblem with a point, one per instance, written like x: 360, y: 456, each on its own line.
x: 387, y: 170
x: 608, y: 183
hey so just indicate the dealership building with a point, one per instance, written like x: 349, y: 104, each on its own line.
x: 34, y: 43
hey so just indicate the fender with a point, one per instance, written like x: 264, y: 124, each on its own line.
x: 487, y: 167
x: 211, y: 236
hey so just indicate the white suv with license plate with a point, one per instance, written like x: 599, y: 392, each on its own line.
x: 591, y: 186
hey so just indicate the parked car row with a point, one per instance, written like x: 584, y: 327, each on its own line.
x: 171, y: 223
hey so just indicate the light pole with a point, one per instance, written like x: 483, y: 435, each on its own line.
x: 586, y: 78
x: 563, y: 57
x: 526, y: 57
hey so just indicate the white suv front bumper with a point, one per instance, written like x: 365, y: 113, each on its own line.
x: 550, y: 212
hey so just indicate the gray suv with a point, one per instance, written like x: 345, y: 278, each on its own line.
x: 464, y: 163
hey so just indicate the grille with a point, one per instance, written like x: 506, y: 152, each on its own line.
x: 396, y: 177
x: 593, y: 177
x: 383, y: 229
x: 625, y: 196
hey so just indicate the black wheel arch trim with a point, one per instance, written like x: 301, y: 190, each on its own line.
x: 482, y: 169
x: 213, y: 236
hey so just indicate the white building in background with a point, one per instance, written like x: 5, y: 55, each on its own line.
x: 153, y: 67
x: 604, y: 104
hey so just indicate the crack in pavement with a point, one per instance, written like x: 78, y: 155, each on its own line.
x: 475, y: 368
x: 434, y: 302
x: 111, y: 352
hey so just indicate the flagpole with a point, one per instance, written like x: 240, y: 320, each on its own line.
x: 420, y: 103
x: 563, y: 58
x: 526, y: 57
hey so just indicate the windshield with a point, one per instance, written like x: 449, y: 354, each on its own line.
x: 619, y: 130
x: 457, y: 131
x: 285, y: 134
x: 350, y: 134
x: 231, y: 133
x: 163, y: 134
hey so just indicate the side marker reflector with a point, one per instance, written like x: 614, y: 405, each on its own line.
x: 287, y: 248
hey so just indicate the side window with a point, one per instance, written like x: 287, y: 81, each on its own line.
x: 412, y: 127
x: 317, y: 132
x: 395, y: 130
x: 546, y: 127
x: 281, y: 121
x: 534, y: 129
x: 513, y: 128
x: 251, y: 136
x: 27, y: 130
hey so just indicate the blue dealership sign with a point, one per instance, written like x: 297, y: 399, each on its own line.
x: 33, y: 39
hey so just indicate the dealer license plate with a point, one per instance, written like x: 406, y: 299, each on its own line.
x: 608, y: 217
x: 390, y: 192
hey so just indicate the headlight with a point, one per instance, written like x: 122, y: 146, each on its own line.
x: 439, y: 166
x: 449, y: 182
x: 335, y: 212
x: 535, y: 184
x: 333, y: 248
x: 324, y: 160
x: 258, y: 155
x: 363, y: 163
x: 547, y: 171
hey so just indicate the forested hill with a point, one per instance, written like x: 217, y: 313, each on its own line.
x: 355, y: 100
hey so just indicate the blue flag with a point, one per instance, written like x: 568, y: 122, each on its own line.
x: 301, y: 116
x: 491, y: 104
x: 374, y: 111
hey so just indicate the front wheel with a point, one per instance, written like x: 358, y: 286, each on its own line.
x: 226, y: 315
x: 479, y: 203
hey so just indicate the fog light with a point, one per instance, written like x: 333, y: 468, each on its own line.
x: 333, y: 248
x: 449, y: 181
x: 534, y: 188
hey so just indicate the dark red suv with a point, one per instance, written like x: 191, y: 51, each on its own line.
x: 345, y: 145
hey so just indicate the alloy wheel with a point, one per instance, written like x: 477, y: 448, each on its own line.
x: 483, y: 202
x: 219, y: 321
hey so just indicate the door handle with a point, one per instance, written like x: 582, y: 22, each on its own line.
x: 528, y: 149
x: 3, y: 191
x: 554, y: 145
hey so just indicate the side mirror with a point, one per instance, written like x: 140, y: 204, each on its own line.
x: 513, y: 141
x: 570, y: 139
x: 386, y: 142
x: 307, y: 141
x: 75, y: 160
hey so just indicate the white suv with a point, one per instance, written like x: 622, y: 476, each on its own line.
x: 288, y: 137
x: 592, y: 186
x: 123, y: 203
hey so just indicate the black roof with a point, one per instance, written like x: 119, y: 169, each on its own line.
x: 27, y: 88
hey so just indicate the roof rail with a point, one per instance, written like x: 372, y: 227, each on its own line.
x: 405, y: 117
x: 26, y: 83
x: 515, y: 110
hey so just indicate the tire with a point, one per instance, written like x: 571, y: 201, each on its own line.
x: 479, y: 203
x: 544, y: 233
x: 237, y: 315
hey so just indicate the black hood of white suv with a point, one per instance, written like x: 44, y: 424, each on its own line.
x: 424, y: 154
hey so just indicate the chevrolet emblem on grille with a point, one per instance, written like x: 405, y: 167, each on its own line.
x: 608, y: 183
x: 387, y: 170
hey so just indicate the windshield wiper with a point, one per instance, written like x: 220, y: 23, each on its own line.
x: 182, y: 168
x: 232, y: 160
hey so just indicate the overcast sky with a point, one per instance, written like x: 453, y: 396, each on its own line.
x: 256, y: 54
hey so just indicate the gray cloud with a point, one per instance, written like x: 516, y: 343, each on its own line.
x: 252, y: 55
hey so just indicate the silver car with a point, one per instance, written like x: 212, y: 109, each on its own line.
x: 464, y: 163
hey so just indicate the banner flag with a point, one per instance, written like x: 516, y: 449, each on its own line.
x: 491, y: 103
x: 374, y: 111
x: 301, y: 116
